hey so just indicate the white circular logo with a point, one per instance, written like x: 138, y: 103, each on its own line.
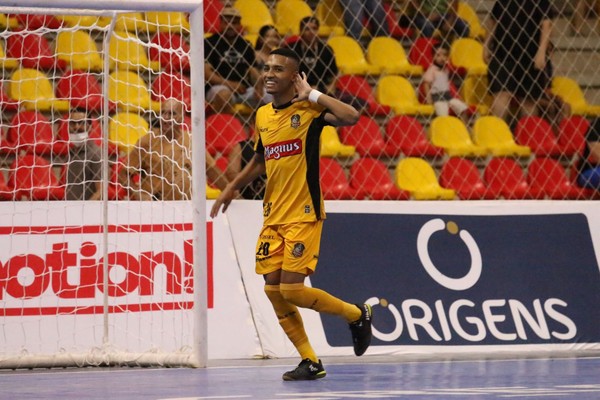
x: 474, y: 273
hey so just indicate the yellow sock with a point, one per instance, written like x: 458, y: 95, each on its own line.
x: 291, y: 322
x: 319, y: 300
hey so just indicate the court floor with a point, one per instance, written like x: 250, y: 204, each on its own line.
x: 348, y: 378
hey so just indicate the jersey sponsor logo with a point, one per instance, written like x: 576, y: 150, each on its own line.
x: 295, y: 121
x: 298, y: 250
x: 278, y: 150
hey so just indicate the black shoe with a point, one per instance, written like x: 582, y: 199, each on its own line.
x: 361, y: 330
x: 307, y: 370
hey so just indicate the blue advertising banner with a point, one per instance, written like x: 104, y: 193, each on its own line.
x: 463, y: 280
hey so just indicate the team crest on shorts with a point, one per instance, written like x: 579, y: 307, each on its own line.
x: 295, y: 121
x: 298, y: 250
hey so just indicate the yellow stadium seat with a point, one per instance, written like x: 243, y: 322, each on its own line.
x: 130, y: 92
x: 331, y: 145
x: 475, y: 92
x: 34, y: 91
x: 83, y: 21
x: 79, y: 50
x: 350, y: 57
x: 569, y: 91
x: 466, y: 12
x: 7, y: 22
x: 389, y: 54
x: 416, y: 176
x: 7, y: 63
x: 127, y: 52
x: 288, y: 14
x: 125, y: 129
x: 133, y: 22
x: 255, y: 14
x: 494, y: 134
x: 467, y: 53
x: 212, y: 193
x: 167, y: 21
x: 398, y: 93
x: 451, y: 134
x: 329, y: 13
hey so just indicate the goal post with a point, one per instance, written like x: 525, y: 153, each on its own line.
x: 170, y: 236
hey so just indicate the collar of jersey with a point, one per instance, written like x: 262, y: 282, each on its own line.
x: 284, y: 105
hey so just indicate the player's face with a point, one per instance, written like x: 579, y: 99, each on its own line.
x: 279, y: 73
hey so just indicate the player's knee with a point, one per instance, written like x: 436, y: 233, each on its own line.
x: 292, y: 293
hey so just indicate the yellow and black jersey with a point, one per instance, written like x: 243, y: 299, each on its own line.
x: 288, y: 136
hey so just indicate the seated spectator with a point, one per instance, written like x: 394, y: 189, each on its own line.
x: 439, y: 14
x: 357, y: 11
x: 240, y: 155
x: 436, y: 86
x: 589, y: 170
x: 268, y: 39
x: 84, y: 169
x: 550, y: 106
x: 317, y: 58
x: 230, y: 71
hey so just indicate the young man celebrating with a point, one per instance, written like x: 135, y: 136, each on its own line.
x: 287, y: 149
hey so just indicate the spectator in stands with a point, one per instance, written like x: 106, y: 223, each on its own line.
x: 240, y: 155
x: 318, y: 60
x: 357, y: 11
x: 581, y: 11
x: 436, y: 86
x: 268, y: 39
x: 516, y: 53
x: 231, y: 74
x: 589, y: 170
x: 442, y: 15
x: 550, y: 106
x: 84, y: 169
x: 162, y: 158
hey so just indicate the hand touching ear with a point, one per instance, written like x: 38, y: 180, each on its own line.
x: 302, y: 87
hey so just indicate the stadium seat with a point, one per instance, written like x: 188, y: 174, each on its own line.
x: 212, y: 193
x: 463, y: 176
x: 570, y: 92
x: 451, y: 134
x: 32, y: 22
x: 255, y: 14
x: 571, y: 135
x: 421, y: 52
x: 330, y: 15
x: 8, y: 22
x: 475, y: 93
x: 398, y: 93
x: 34, y: 91
x: 32, y: 177
x: 372, y: 178
x: 350, y: 57
x: 212, y: 21
x: 223, y: 131
x: 494, y: 134
x: 468, y: 14
x: 6, y: 193
x: 81, y: 21
x: 416, y: 176
x: 505, y: 177
x: 33, y: 51
x: 288, y: 14
x: 95, y: 132
x: 388, y: 54
x: 334, y: 183
x: 79, y: 50
x: 175, y: 57
x: 167, y: 21
x: 125, y: 129
x: 82, y: 90
x: 358, y: 86
x: 126, y: 52
x: 172, y: 85
x: 405, y: 135
x: 7, y: 63
x: 365, y: 136
x: 331, y: 145
x: 130, y: 92
x: 466, y: 56
x: 133, y: 22
x: 548, y: 176
x: 537, y: 133
x: 31, y: 131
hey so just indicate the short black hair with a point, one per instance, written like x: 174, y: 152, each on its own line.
x: 307, y: 20
x: 287, y: 52
x: 441, y: 45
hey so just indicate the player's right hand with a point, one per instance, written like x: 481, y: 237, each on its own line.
x: 224, y: 199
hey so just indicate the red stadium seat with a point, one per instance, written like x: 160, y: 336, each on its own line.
x: 537, y: 133
x: 463, y: 176
x: 571, y: 135
x: 405, y: 135
x: 212, y: 10
x: 357, y: 86
x: 6, y: 103
x: 223, y: 131
x: 334, y: 183
x: 365, y: 136
x: 31, y: 131
x: 392, y: 20
x: 504, y: 176
x: 32, y: 177
x: 83, y: 90
x: 175, y: 57
x: 62, y: 134
x: 172, y: 85
x: 6, y: 193
x: 421, y: 52
x: 372, y: 178
x: 33, y: 51
x: 35, y: 21
x: 548, y: 176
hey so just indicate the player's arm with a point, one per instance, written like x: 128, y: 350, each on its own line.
x: 252, y: 170
x: 338, y: 113
x: 540, y: 56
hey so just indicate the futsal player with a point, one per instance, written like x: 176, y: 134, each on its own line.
x: 287, y: 251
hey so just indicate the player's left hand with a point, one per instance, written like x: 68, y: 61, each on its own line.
x: 302, y: 87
